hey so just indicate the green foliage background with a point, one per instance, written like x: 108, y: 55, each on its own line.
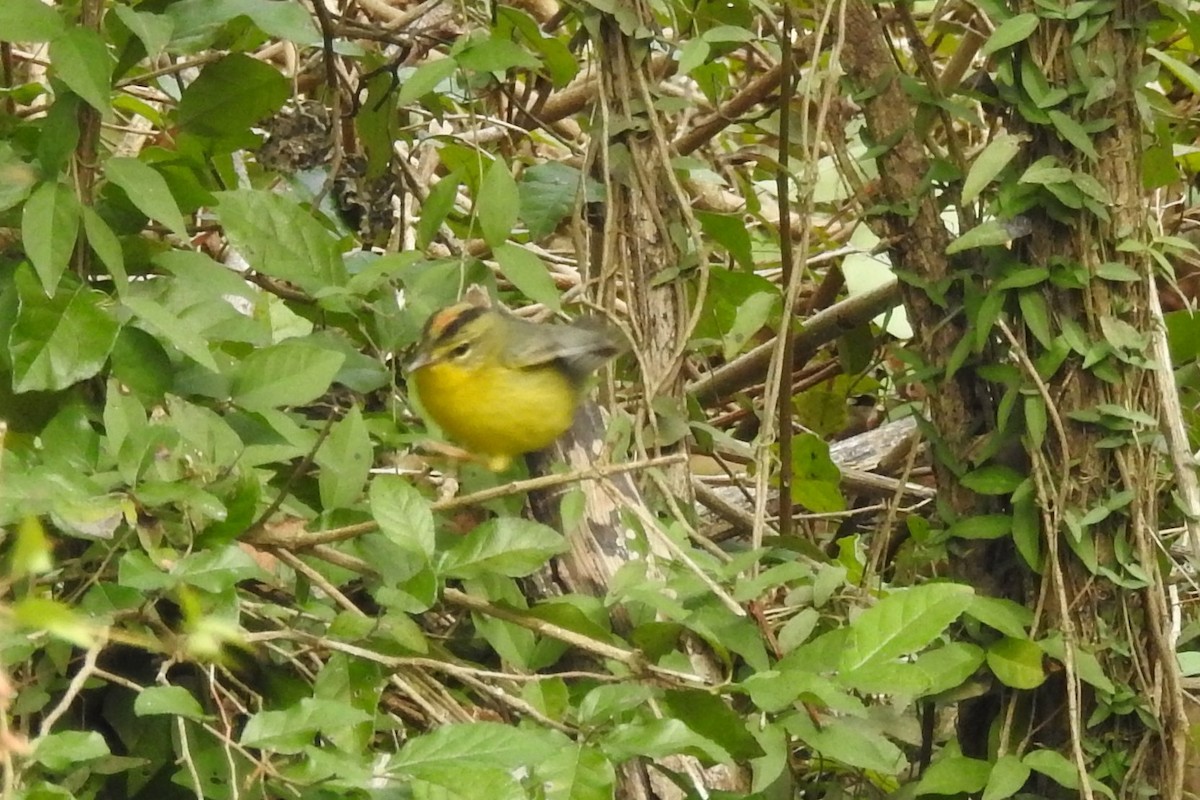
x: 198, y: 375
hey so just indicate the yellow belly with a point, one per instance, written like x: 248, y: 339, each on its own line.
x: 498, y: 412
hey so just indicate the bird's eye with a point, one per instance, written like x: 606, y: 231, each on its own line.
x: 461, y: 350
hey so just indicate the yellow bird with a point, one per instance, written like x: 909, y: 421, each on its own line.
x: 502, y: 386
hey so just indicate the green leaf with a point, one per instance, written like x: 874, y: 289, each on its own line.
x: 182, y: 334
x: 729, y: 231
x: 548, y: 194
x: 507, y: 546
x: 292, y: 729
x: 1054, y: 766
x: 291, y: 373
x: 28, y: 21
x: 280, y: 239
x: 481, y: 744
x: 1070, y: 129
x: 856, y: 743
x: 436, y: 208
x: 148, y: 192
x: 949, y: 666
x: 1010, y: 618
x: 289, y: 21
x: 577, y: 772
x: 955, y: 775
x: 425, y: 79
x: 528, y: 273
x: 712, y: 718
x: 345, y: 461
x: 495, y: 54
x: 693, y: 54
x: 57, y: 342
x: 230, y: 95
x: 989, y: 163
x: 66, y: 749
x: 217, y: 569
x: 49, y: 227
x: 153, y: 29
x: 659, y: 738
x: 105, y: 245
x: 56, y: 619
x: 1016, y: 663
x: 402, y: 513
x: 983, y: 526
x: 988, y: 234
x: 82, y: 61
x: 1010, y: 32
x: 497, y: 204
x: 1008, y: 777
x: 1188, y: 76
x: 174, y: 701
x: 993, y: 479
x: 903, y: 622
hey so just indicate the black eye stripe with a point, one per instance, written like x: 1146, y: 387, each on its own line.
x: 453, y: 326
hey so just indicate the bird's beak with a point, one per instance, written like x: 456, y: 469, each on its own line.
x: 421, y: 359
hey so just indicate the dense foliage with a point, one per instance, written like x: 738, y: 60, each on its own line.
x: 236, y: 569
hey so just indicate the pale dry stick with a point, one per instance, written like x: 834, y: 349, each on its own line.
x: 227, y: 744
x: 1176, y: 433
x: 305, y: 539
x: 777, y: 369
x: 73, y: 688
x: 652, y: 528
x: 520, y: 705
x: 630, y: 658
x: 185, y: 755
x: 1071, y: 672
x: 318, y: 580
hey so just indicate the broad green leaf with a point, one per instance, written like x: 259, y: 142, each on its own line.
x: 283, y: 20
x: 711, y: 717
x: 49, y: 227
x: 495, y: 54
x: 903, y: 623
x: 57, y: 342
x: 153, y: 29
x: 55, y: 618
x: 577, y: 772
x: 528, y: 273
x: 1053, y: 765
x: 17, y: 179
x: 956, y: 775
x: 230, y: 95
x: 402, y: 513
x: 280, y: 239
x: 67, y: 749
x: 29, y: 21
x: 291, y: 373
x: 82, y: 61
x: 484, y: 744
x: 949, y: 666
x: 1010, y: 32
x: 497, y: 204
x: 987, y: 234
x: 217, y: 569
x: 993, y: 479
x: 507, y: 546
x: 1070, y: 129
x: 1007, y: 778
x: 659, y: 738
x: 182, y: 334
x: 548, y: 194
x: 855, y: 742
x: 730, y: 231
x: 148, y: 192
x: 989, y: 163
x: 32, y: 554
x: 105, y: 245
x: 292, y: 729
x: 436, y: 208
x: 1016, y: 663
x: 345, y: 461
x: 425, y: 79
x: 1185, y: 73
x: 983, y: 526
x: 174, y: 701
x: 693, y: 54
x: 1010, y: 618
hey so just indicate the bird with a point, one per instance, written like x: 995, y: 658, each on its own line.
x: 502, y: 386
